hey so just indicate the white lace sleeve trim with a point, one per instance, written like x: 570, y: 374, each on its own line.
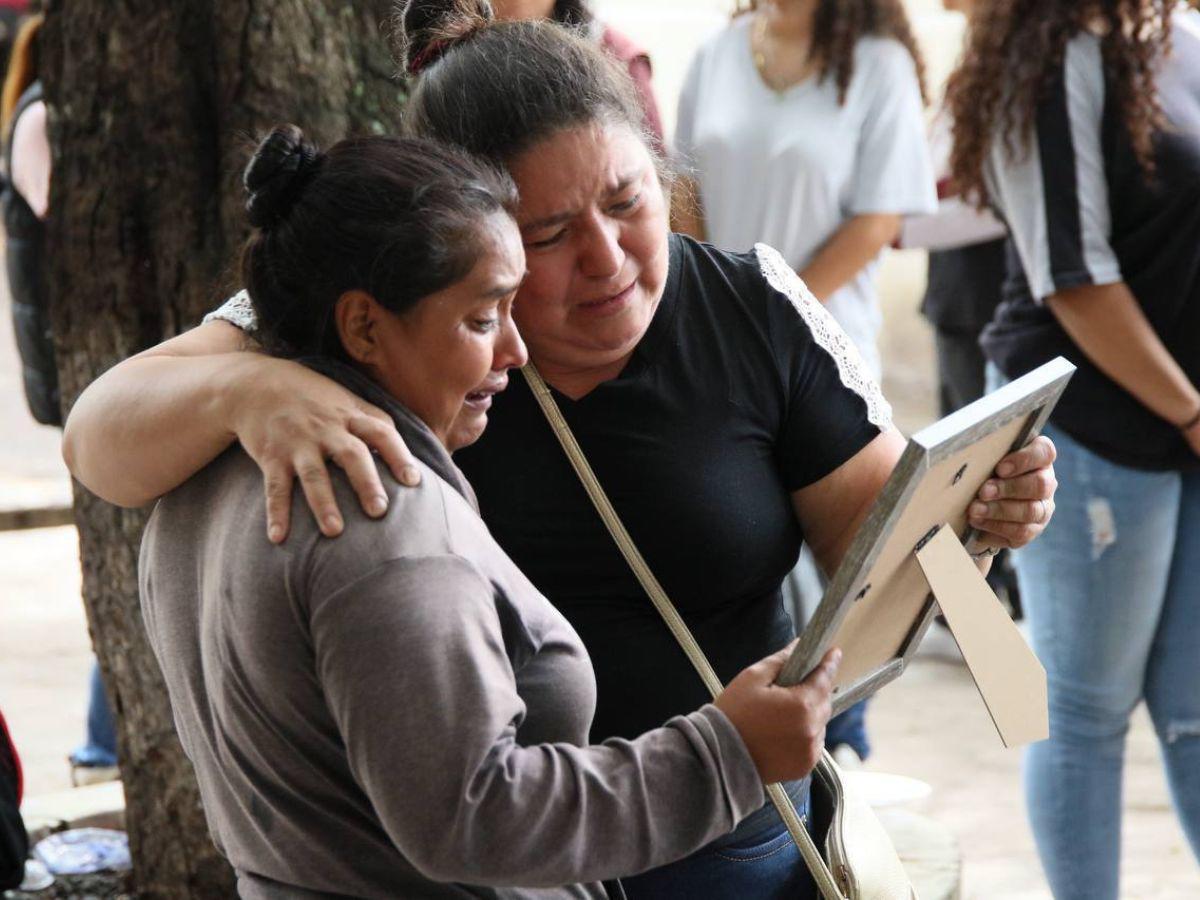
x: 852, y: 370
x: 237, y: 311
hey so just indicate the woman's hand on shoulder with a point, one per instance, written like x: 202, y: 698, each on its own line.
x: 293, y: 421
x: 783, y: 728
x: 1016, y: 505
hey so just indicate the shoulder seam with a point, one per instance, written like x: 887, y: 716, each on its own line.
x: 827, y: 334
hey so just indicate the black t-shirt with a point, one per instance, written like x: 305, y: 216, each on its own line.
x: 736, y: 396
x: 1080, y: 212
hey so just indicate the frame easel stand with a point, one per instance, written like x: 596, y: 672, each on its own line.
x: 1008, y: 676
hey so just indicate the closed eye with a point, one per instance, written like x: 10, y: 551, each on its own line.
x: 547, y: 242
x: 627, y: 205
x: 485, y: 326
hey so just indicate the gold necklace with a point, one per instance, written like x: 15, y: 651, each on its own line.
x: 758, y: 44
x: 778, y: 82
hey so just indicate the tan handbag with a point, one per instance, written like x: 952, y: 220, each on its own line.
x: 860, y: 862
x: 858, y: 850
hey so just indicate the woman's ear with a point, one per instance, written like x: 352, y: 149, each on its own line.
x: 356, y: 316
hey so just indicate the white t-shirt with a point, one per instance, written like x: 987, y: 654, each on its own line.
x: 789, y: 168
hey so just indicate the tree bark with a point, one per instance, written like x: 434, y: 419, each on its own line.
x: 154, y: 107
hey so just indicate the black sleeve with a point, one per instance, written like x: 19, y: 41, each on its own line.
x: 834, y: 408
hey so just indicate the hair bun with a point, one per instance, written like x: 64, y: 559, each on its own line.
x: 424, y: 30
x: 276, y: 174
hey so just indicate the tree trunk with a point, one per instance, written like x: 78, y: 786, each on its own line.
x: 154, y: 106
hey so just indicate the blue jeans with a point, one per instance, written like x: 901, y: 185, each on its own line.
x: 100, y: 746
x: 850, y: 727
x: 758, y: 859
x: 1112, y: 595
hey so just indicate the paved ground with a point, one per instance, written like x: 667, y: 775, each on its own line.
x: 929, y: 725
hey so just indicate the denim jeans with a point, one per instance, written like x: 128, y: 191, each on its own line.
x: 849, y: 727
x: 1112, y: 595
x: 757, y: 860
x: 100, y: 746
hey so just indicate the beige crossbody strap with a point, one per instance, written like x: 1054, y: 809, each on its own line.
x: 808, y: 849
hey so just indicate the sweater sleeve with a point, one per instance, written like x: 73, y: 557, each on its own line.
x: 413, y: 664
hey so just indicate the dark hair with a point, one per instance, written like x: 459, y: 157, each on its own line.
x: 498, y: 88
x: 397, y: 218
x: 1013, y: 50
x: 837, y: 27
x: 572, y: 13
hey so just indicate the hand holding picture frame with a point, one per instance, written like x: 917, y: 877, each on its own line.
x: 911, y: 547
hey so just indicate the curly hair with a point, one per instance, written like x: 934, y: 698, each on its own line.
x: 837, y: 26
x: 1013, y: 50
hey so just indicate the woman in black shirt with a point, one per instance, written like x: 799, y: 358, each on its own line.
x: 724, y: 411
x: 1080, y: 122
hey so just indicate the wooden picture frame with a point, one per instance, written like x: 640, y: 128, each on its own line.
x: 879, y: 603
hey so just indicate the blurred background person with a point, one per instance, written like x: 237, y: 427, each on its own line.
x: 962, y: 291
x: 801, y: 126
x: 578, y: 13
x: 25, y: 200
x: 1080, y: 123
x: 11, y: 14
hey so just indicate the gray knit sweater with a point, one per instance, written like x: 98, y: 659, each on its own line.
x: 398, y: 712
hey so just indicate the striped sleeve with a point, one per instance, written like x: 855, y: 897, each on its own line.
x: 1054, y: 194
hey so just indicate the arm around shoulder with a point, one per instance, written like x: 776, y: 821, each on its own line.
x: 153, y: 420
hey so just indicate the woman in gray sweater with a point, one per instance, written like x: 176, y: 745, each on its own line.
x: 399, y: 713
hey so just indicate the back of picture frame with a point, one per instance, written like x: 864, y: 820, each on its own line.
x: 878, y: 605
